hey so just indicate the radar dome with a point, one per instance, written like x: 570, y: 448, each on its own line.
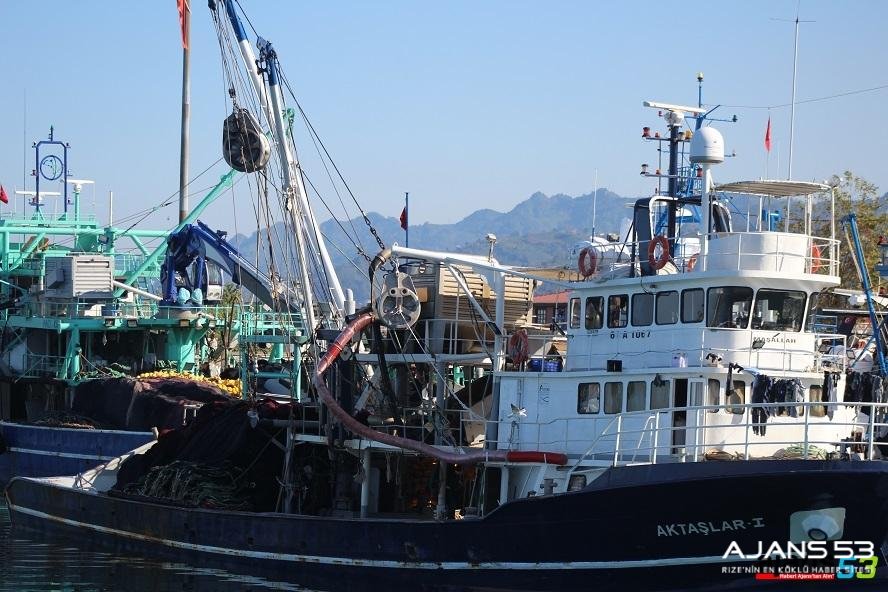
x: 707, y: 146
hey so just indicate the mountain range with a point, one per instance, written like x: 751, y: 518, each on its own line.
x: 539, y: 231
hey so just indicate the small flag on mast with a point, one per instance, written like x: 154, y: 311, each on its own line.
x: 184, y: 12
x: 768, y: 135
x: 3, y: 197
x: 404, y: 218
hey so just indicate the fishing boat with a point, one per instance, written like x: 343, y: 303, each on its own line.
x: 691, y: 425
x: 82, y: 318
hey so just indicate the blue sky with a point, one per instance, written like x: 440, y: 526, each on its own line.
x: 464, y: 104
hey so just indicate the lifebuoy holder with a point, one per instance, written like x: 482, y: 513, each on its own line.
x: 519, y: 346
x: 587, y: 263
x: 658, y: 252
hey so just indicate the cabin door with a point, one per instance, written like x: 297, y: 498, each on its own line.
x: 679, y: 415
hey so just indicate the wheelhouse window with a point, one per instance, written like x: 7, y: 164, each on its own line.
x: 618, y: 311
x: 728, y: 306
x: 778, y: 310
x: 588, y: 397
x: 635, y: 396
x: 659, y: 393
x: 594, y: 312
x: 667, y: 308
x: 692, y: 303
x: 613, y: 397
x: 642, y: 309
x: 574, y: 313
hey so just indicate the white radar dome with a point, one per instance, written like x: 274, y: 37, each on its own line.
x: 707, y: 146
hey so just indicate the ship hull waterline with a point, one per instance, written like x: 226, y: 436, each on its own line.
x: 632, y: 525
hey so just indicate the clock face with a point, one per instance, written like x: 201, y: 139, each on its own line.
x: 51, y: 167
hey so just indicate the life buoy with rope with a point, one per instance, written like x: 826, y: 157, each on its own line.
x: 658, y: 244
x: 519, y: 346
x: 692, y: 262
x: 815, y: 259
x: 588, y: 262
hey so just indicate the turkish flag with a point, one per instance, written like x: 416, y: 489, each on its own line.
x: 184, y: 13
x: 3, y: 197
x: 404, y: 218
x: 768, y: 136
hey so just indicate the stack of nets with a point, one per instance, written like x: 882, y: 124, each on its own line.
x: 195, y: 485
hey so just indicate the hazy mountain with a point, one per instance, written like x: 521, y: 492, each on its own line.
x: 538, y: 231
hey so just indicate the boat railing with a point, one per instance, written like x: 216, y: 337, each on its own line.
x: 653, y: 436
x: 43, y: 366
x: 774, y: 252
x: 143, y: 309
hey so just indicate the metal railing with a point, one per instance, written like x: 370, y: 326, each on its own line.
x: 775, y: 252
x: 660, y: 437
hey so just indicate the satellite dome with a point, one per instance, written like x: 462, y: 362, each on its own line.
x: 707, y: 146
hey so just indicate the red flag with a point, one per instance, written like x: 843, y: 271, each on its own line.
x: 184, y: 12
x: 3, y: 197
x: 768, y: 135
x: 404, y: 218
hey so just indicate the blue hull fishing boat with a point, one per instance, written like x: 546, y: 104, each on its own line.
x: 690, y: 425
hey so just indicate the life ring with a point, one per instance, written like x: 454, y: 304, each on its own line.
x: 519, y: 346
x: 658, y: 262
x: 815, y: 259
x: 692, y: 262
x: 588, y: 262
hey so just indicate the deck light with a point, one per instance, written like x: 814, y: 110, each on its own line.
x: 132, y: 323
x: 644, y: 169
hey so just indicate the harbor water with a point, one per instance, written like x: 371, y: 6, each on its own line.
x: 30, y: 563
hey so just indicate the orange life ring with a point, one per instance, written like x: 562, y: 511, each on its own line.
x: 519, y: 346
x: 692, y: 262
x: 588, y: 261
x: 815, y: 259
x: 658, y: 262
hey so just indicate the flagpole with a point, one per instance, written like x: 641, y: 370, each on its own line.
x: 186, y: 110
x: 407, y: 225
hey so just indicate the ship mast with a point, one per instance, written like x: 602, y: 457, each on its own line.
x: 298, y: 209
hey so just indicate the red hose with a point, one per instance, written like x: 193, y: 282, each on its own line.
x: 356, y: 427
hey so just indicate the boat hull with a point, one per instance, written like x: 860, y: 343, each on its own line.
x: 39, y: 451
x: 630, y: 527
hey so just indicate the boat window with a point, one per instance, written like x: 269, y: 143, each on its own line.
x: 667, y: 308
x: 713, y: 394
x: 642, y: 310
x: 613, y: 397
x: 736, y: 398
x: 540, y: 316
x: 594, y: 312
x: 588, y: 397
x: 574, y: 313
x: 778, y: 310
x: 692, y: 305
x: 815, y: 394
x: 659, y: 393
x: 728, y: 307
x: 618, y: 311
x: 635, y: 396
